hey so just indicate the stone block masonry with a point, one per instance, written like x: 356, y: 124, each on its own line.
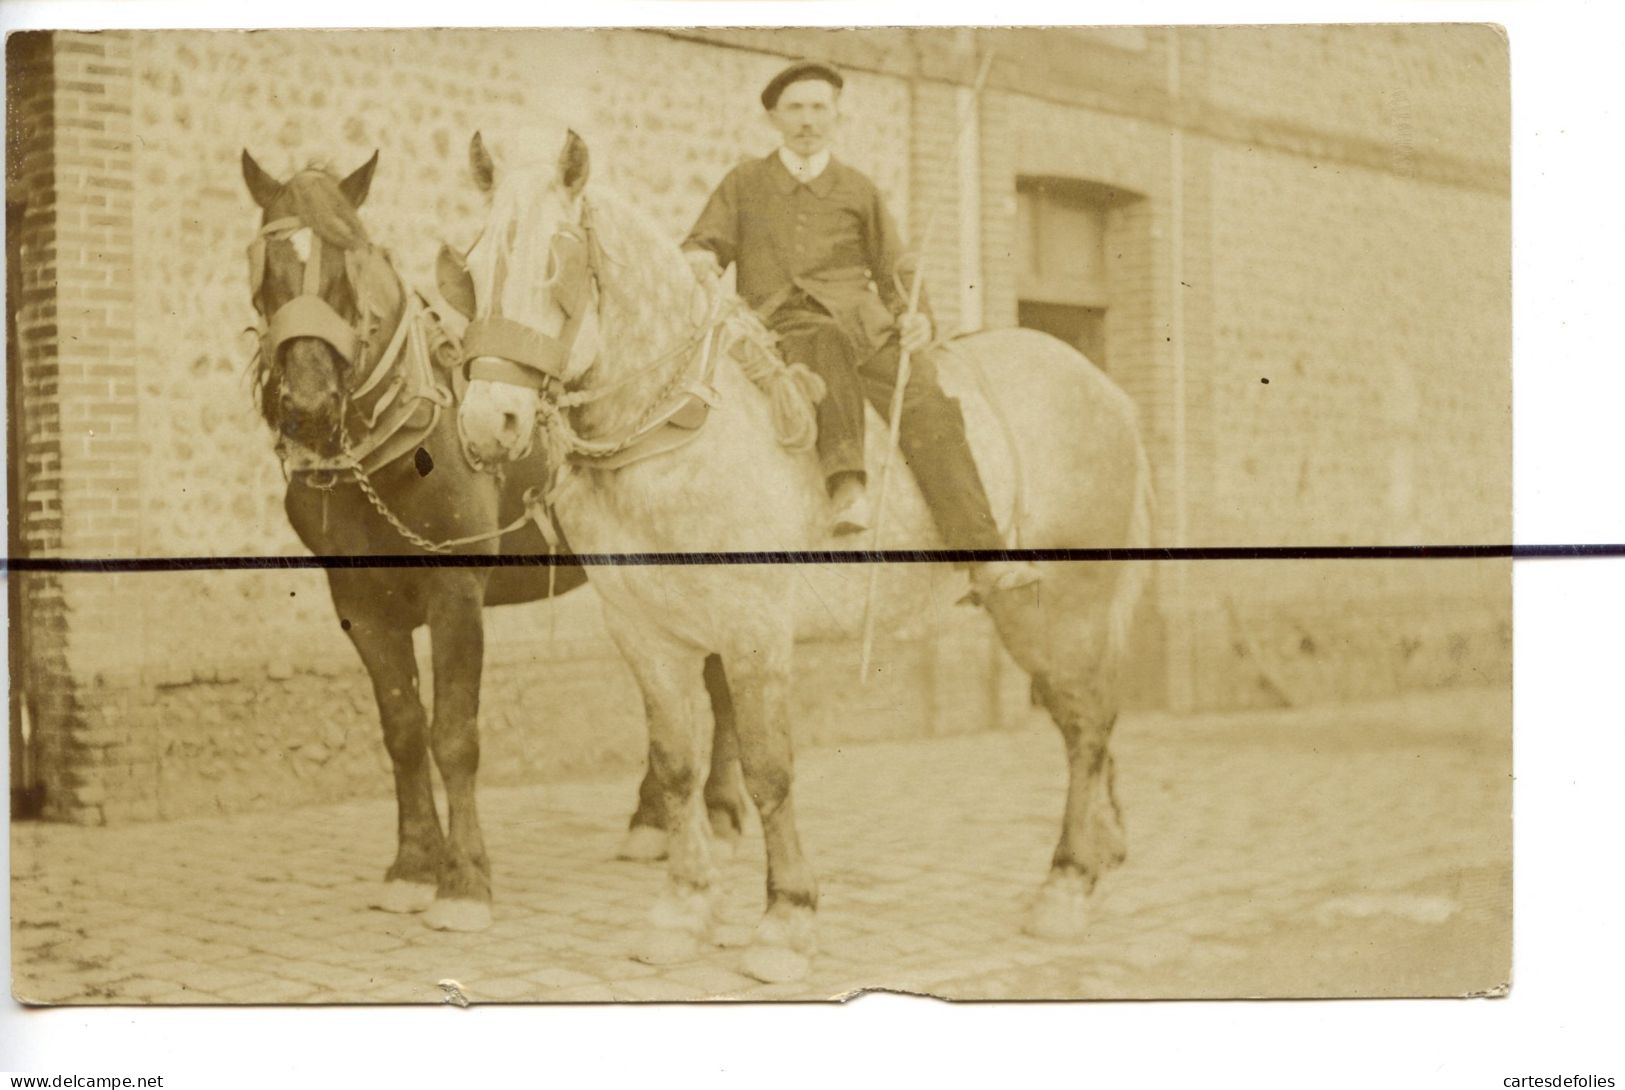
x: 1325, y: 208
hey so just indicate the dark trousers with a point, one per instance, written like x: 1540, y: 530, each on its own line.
x: 931, y: 436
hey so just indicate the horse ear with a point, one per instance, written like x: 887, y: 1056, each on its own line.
x: 261, y: 186
x: 453, y: 279
x: 573, y: 163
x: 479, y: 163
x: 356, y: 187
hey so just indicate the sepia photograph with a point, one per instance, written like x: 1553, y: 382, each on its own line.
x: 698, y: 514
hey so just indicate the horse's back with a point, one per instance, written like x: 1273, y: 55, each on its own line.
x: 1056, y: 440
x: 1058, y: 449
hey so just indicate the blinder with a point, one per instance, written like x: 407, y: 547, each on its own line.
x: 502, y: 350
x: 454, y: 280
x: 306, y: 314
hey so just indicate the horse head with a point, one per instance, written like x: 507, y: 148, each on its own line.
x: 529, y: 284
x: 324, y: 293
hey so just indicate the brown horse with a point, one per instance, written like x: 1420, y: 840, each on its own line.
x: 350, y: 377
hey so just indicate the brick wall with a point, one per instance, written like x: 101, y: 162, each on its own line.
x: 34, y: 521
x: 1434, y: 94
x: 1325, y: 207
x: 1348, y: 244
x: 77, y: 421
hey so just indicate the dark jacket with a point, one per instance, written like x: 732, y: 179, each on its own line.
x: 833, y: 239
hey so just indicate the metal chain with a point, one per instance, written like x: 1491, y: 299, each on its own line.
x: 358, y: 473
x: 412, y: 536
x: 553, y: 415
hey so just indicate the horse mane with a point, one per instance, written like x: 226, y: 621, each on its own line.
x: 651, y: 302
x: 642, y: 261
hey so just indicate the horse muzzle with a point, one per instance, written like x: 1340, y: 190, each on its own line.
x: 309, y: 403
x: 497, y: 421
x: 314, y: 427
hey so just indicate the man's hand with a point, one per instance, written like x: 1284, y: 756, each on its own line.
x: 913, y: 332
x: 703, y: 263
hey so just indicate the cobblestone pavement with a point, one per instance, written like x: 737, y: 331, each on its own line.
x: 1359, y: 850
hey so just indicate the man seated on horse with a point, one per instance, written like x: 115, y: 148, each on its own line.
x: 820, y: 260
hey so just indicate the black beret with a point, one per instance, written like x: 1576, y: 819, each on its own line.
x: 794, y: 74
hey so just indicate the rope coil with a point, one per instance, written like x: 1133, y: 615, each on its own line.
x: 793, y: 389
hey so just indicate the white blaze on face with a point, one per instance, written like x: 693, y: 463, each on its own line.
x: 301, y: 243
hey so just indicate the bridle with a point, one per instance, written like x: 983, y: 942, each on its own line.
x: 504, y: 350
x: 383, y: 408
x: 306, y: 314
x: 501, y: 349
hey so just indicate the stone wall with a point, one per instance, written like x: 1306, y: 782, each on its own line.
x: 1322, y: 207
x: 163, y: 694
x: 1353, y: 361
x: 1309, y: 283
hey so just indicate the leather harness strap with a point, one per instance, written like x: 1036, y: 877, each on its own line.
x: 673, y: 428
x: 495, y: 339
x: 306, y: 314
x: 406, y: 398
x: 310, y: 316
x: 407, y: 408
x: 502, y: 350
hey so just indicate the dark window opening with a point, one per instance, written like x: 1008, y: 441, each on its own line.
x: 1084, y: 328
x: 1063, y: 277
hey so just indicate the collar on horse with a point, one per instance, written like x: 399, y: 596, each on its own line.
x: 396, y: 403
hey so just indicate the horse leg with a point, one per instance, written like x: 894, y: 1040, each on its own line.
x: 668, y: 674
x: 1066, y: 646
x: 1092, y: 829
x: 782, y: 947
x: 457, y: 636
x: 386, y: 651
x: 646, y: 834
x: 724, y: 789
x: 725, y: 786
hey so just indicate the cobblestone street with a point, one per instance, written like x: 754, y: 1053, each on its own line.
x: 1357, y: 850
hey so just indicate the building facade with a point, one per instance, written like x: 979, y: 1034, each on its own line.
x: 1290, y: 245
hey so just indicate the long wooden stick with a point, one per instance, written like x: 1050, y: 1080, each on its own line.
x: 895, y: 416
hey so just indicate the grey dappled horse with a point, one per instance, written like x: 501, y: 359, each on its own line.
x: 589, y: 326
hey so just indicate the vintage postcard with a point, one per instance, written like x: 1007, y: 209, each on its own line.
x: 663, y: 514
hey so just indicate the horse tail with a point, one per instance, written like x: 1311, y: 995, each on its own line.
x: 1133, y: 574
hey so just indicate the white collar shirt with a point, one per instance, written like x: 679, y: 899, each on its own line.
x: 804, y: 170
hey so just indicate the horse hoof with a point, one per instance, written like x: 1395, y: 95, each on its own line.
x: 665, y: 946
x: 399, y: 895
x: 1060, y: 913
x: 458, y: 915
x: 776, y: 964
x: 643, y: 844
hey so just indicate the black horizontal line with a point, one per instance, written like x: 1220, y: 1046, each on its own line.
x: 882, y: 556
